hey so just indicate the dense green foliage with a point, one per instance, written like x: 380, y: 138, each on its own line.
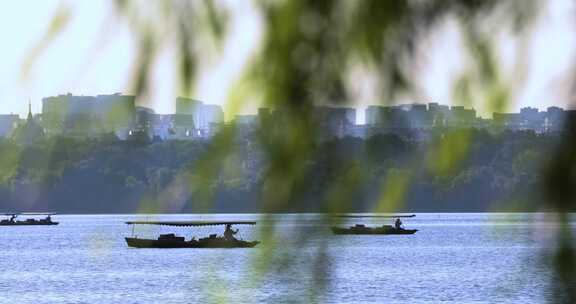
x: 499, y: 172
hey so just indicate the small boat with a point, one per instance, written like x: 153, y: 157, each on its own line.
x: 47, y: 221
x: 362, y: 229
x: 384, y: 229
x: 172, y: 241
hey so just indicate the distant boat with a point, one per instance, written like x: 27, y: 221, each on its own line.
x: 28, y: 222
x: 361, y: 229
x: 173, y: 241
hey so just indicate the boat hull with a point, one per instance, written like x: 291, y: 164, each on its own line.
x: 369, y: 230
x: 203, y: 243
x: 28, y: 224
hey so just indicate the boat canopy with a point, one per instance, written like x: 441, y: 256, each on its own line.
x: 190, y: 223
x: 376, y: 216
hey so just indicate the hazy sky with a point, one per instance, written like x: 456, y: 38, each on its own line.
x: 89, y: 58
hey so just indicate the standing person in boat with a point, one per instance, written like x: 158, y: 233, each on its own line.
x: 398, y: 223
x: 229, y: 233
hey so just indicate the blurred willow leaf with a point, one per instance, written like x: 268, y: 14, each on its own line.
x: 59, y: 22
x: 395, y: 186
x: 306, y: 52
x: 9, y: 162
x: 445, y: 156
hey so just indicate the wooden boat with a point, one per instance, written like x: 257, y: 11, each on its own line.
x: 28, y: 222
x: 384, y: 229
x: 362, y: 229
x: 173, y: 241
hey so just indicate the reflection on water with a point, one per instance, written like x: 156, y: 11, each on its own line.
x: 452, y: 258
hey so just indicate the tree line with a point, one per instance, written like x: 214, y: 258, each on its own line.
x: 458, y: 170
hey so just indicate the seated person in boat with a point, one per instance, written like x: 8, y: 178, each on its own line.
x: 398, y: 224
x: 229, y: 233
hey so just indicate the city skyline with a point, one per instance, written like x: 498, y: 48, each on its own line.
x: 92, y: 116
x: 360, y: 110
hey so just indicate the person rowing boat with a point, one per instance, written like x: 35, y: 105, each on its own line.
x: 398, y: 223
x: 229, y: 233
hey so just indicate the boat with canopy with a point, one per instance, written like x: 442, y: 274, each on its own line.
x: 227, y: 240
x: 12, y: 220
x: 384, y: 229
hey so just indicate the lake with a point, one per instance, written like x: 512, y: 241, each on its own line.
x: 453, y: 258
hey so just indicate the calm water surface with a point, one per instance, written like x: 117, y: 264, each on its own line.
x: 454, y: 258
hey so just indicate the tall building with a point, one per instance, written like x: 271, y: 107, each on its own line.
x: 388, y: 116
x: 335, y: 121
x: 532, y: 118
x: 414, y: 121
x: 88, y: 115
x: 461, y: 117
x: 194, y: 118
x: 144, y: 121
x: 438, y: 114
x: 117, y: 110
x: 418, y: 116
x: 554, y: 119
x: 372, y: 115
x: 211, y: 114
